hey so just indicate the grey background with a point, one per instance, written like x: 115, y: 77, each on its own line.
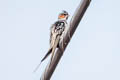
x: 93, y: 53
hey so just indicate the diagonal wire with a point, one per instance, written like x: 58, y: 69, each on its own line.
x: 72, y: 27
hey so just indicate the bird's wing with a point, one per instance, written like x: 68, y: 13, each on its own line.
x: 56, y: 35
x: 55, y: 43
x: 50, y: 49
x: 56, y: 30
x: 51, y: 42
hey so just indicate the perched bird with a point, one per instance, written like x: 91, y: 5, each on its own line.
x: 57, y: 31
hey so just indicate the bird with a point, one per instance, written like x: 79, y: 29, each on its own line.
x: 57, y: 32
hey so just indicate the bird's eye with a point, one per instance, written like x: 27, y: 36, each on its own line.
x: 64, y: 14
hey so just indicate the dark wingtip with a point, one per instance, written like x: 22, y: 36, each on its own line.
x: 46, y: 55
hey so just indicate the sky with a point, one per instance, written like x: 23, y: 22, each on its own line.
x: 92, y: 54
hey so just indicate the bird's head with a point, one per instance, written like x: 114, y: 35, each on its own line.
x: 63, y: 15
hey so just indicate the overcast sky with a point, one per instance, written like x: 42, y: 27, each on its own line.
x: 92, y: 54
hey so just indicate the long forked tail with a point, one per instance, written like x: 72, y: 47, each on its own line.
x: 37, y: 67
x: 49, y: 51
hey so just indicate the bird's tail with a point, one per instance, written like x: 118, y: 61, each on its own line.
x: 49, y: 51
x: 37, y: 67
